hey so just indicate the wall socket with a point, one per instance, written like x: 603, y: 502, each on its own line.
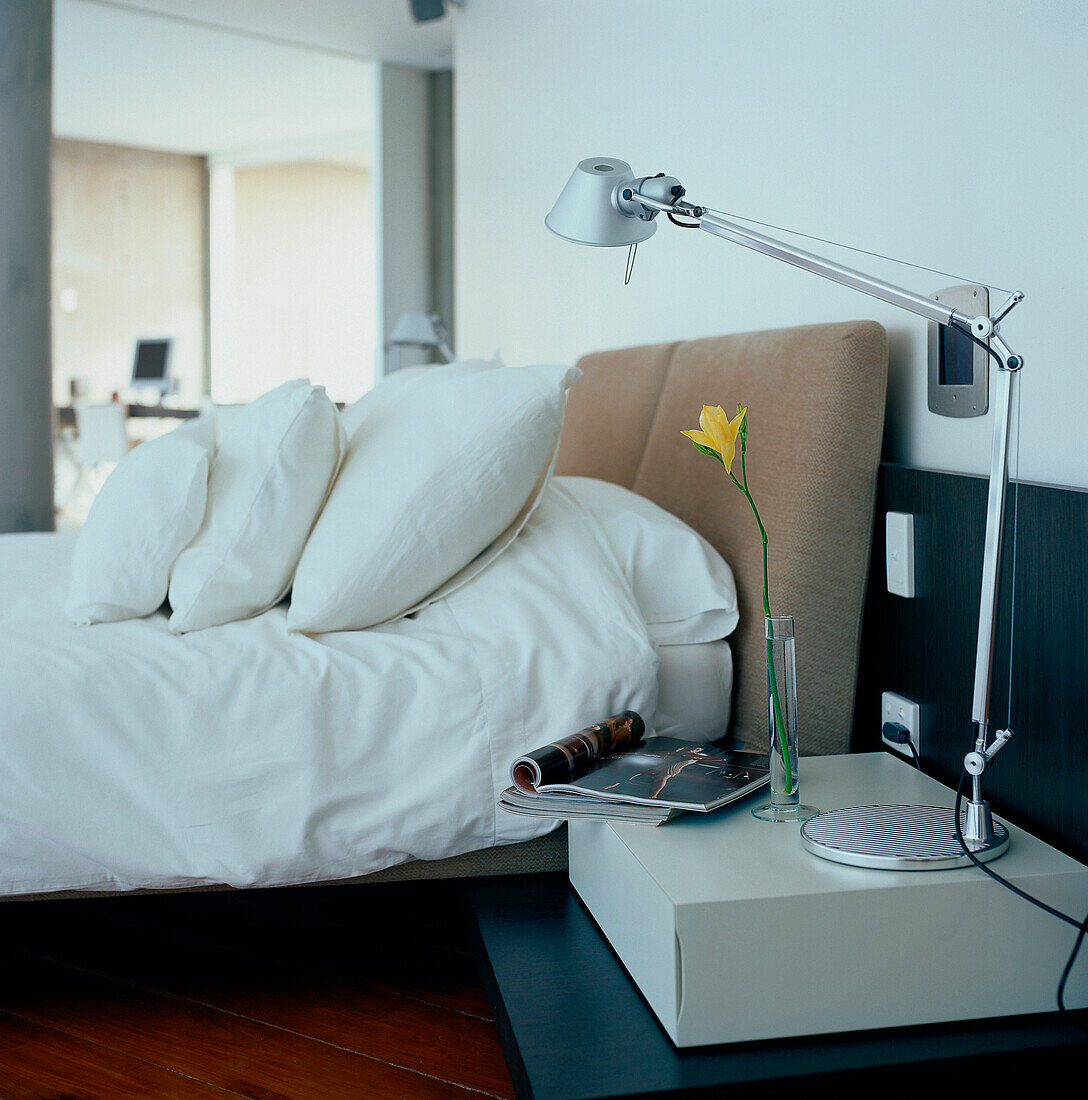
x: 905, y: 712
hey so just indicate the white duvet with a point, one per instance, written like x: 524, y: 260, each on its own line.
x: 134, y: 758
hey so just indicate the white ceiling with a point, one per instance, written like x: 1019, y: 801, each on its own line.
x: 381, y: 30
x: 229, y: 78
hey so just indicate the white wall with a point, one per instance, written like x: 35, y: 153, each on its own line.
x: 128, y: 261
x: 949, y: 133
x: 293, y: 283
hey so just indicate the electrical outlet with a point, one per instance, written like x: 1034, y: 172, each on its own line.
x: 904, y: 712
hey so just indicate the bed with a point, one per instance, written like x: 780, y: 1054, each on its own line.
x: 118, y: 776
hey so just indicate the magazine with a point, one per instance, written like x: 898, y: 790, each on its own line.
x: 569, y: 806
x: 611, y: 771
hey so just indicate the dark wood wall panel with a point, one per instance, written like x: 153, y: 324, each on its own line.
x: 924, y: 648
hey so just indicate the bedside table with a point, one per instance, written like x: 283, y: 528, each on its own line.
x: 573, y: 1025
x: 733, y: 932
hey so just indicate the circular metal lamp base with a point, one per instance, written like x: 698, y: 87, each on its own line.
x: 895, y: 838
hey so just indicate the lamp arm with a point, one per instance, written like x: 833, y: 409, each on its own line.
x: 979, y: 824
x: 828, y: 269
x: 1008, y: 366
x: 1007, y: 377
x: 981, y: 327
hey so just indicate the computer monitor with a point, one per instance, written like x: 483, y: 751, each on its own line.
x: 151, y: 365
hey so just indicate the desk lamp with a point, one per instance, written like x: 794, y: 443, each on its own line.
x: 605, y: 204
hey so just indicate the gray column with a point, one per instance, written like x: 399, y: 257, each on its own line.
x: 441, y: 213
x: 26, y: 410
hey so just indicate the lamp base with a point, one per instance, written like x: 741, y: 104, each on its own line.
x: 896, y: 838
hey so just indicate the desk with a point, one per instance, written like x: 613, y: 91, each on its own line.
x: 66, y: 414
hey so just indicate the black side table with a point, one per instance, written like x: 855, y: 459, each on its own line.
x: 573, y: 1025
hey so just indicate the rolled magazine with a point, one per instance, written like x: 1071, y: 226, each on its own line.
x: 572, y: 757
x: 609, y: 771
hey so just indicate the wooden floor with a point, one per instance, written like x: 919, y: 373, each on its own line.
x: 366, y: 991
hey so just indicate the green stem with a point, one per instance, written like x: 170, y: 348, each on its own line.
x: 776, y: 703
x: 783, y: 746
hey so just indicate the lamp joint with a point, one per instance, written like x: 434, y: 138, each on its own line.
x: 974, y: 763
x: 1013, y: 299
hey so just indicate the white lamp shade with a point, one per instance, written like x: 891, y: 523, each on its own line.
x: 417, y: 330
x: 585, y: 212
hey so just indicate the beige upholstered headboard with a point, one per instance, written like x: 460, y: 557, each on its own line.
x: 815, y: 398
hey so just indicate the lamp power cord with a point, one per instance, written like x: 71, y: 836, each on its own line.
x: 898, y: 734
x: 1080, y: 925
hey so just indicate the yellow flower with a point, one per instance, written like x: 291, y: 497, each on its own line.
x: 719, y: 433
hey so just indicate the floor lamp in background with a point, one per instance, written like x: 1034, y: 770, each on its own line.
x: 418, y: 330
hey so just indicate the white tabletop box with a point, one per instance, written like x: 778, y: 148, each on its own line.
x: 734, y: 932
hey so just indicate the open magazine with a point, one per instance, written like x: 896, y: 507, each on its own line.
x: 611, y: 771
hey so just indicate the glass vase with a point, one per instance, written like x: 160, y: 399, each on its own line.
x: 785, y: 786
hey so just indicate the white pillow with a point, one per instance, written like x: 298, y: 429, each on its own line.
x: 682, y: 584
x: 694, y: 690
x: 390, y: 388
x: 451, y: 467
x: 271, y: 474
x: 141, y: 519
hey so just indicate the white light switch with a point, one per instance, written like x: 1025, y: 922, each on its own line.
x: 899, y: 541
